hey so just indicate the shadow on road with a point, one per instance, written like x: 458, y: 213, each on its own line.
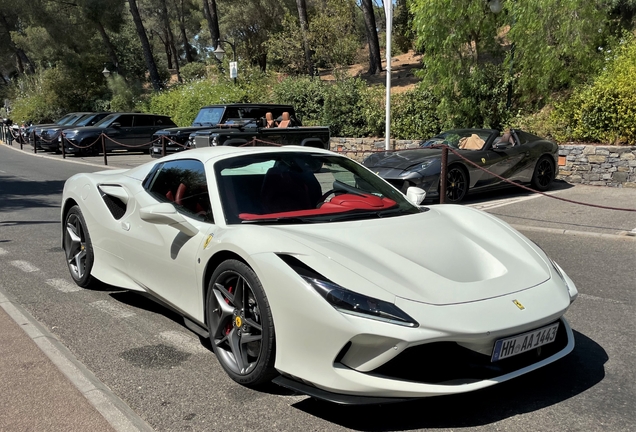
x: 576, y: 373
x: 511, y: 191
x: 16, y: 193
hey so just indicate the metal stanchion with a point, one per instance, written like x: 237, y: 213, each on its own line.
x: 442, y: 176
x: 35, y: 147
x: 63, y: 146
x: 163, y: 145
x: 10, y: 138
x: 104, y: 149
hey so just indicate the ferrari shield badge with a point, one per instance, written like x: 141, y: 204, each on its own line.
x: 207, y: 241
x: 518, y: 304
x: 483, y: 160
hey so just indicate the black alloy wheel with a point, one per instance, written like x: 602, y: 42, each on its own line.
x: 240, y: 324
x: 78, y: 248
x: 456, y: 184
x: 543, y: 174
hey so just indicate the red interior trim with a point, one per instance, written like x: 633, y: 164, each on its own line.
x: 338, y: 204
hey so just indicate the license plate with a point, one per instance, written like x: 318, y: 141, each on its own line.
x: 156, y: 150
x: 519, y: 344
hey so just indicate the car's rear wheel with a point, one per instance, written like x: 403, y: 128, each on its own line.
x: 543, y: 174
x: 456, y: 184
x: 78, y: 248
x: 240, y: 324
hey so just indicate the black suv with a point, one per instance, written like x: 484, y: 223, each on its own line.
x: 49, y: 135
x: 130, y: 131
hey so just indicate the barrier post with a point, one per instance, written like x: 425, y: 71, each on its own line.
x: 63, y: 146
x: 35, y: 147
x: 20, y: 139
x: 442, y: 175
x: 10, y: 138
x: 163, y: 145
x: 104, y: 149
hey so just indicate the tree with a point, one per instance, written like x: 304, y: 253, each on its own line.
x: 470, y: 63
x: 304, y: 27
x: 143, y: 37
x: 375, y: 60
x: 212, y: 18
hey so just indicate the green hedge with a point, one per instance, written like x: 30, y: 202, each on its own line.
x: 605, y: 110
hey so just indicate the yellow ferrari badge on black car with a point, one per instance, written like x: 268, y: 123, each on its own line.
x: 483, y: 160
x: 518, y: 304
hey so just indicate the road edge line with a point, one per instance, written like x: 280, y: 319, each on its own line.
x: 573, y: 232
x: 114, y: 410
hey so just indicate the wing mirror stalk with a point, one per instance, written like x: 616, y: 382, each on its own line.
x: 415, y: 195
x: 166, y: 214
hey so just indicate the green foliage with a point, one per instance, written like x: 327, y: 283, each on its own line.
x: 306, y: 95
x: 193, y: 71
x: 414, y: 114
x: 333, y: 34
x: 183, y: 102
x: 605, y: 110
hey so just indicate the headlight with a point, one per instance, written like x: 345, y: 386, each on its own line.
x: 352, y: 303
x: 419, y: 167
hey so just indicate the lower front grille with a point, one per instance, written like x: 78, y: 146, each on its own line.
x: 450, y: 363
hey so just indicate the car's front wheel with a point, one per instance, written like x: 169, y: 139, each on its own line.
x: 456, y: 184
x: 543, y: 174
x: 78, y: 248
x: 240, y: 324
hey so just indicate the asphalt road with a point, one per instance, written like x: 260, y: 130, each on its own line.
x: 144, y: 354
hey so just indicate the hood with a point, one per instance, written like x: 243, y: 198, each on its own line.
x: 182, y: 130
x: 448, y: 255
x: 402, y: 159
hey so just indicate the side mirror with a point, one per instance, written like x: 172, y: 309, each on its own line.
x: 166, y: 214
x: 115, y: 125
x: 415, y: 195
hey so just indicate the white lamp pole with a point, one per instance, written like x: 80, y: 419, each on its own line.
x: 388, y: 11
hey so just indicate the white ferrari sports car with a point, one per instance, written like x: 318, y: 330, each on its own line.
x: 304, y: 267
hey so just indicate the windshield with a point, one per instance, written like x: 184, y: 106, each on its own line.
x: 303, y: 188
x: 105, y: 121
x: 64, y: 119
x: 465, y: 139
x: 208, y: 116
x: 85, y: 120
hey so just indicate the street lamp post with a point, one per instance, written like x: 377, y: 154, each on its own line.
x: 219, y: 52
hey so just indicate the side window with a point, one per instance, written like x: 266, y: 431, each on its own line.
x: 144, y: 120
x: 183, y: 183
x: 124, y: 120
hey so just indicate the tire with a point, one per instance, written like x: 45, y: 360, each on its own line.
x: 456, y: 184
x: 240, y: 324
x: 543, y: 174
x: 78, y: 248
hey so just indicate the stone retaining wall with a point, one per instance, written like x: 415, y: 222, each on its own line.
x: 578, y: 163
x: 598, y: 165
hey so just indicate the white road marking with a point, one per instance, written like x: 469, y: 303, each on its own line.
x: 183, y: 342
x: 594, y: 298
x: 63, y: 285
x: 112, y: 309
x: 3, y: 251
x: 506, y: 201
x: 25, y: 266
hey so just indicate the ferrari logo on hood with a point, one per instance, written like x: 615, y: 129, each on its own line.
x: 518, y: 304
x: 207, y: 241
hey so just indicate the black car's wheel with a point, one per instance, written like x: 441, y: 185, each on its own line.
x: 543, y: 174
x: 456, y: 184
x: 240, y: 324
x: 78, y: 248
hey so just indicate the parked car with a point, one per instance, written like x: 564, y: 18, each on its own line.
x: 515, y: 155
x: 49, y: 135
x: 128, y: 131
x: 303, y: 267
x: 237, y: 124
x: 28, y: 131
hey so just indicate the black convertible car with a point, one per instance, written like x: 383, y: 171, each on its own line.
x: 515, y: 155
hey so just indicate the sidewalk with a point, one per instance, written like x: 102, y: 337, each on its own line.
x: 43, y: 387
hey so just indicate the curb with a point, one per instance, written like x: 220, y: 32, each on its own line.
x: 623, y: 235
x: 119, y: 415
